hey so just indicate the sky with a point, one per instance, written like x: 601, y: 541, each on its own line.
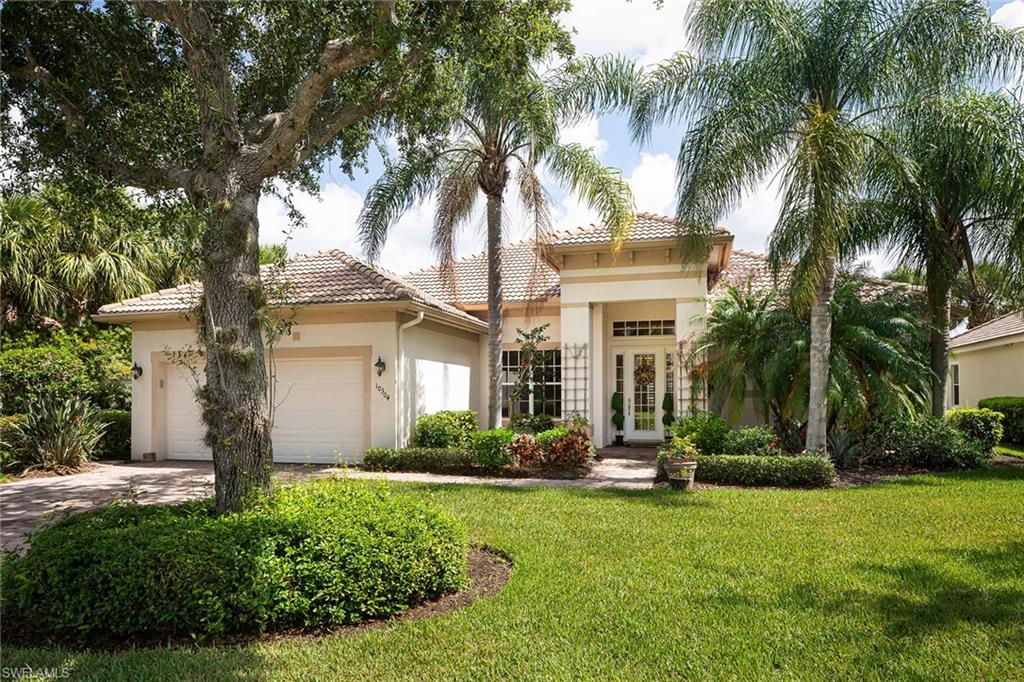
x: 638, y: 29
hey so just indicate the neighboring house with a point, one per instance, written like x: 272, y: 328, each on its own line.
x: 987, y: 361
x: 617, y: 322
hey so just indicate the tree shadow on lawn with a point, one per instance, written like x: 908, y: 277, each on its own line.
x: 658, y: 497
x: 935, y: 479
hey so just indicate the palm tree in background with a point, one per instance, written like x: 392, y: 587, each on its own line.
x: 790, y: 88
x: 507, y: 132
x: 947, y: 185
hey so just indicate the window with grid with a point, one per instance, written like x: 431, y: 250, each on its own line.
x: 644, y: 328
x: 545, y: 393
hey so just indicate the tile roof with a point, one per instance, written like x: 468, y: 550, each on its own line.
x: 324, y: 277
x: 525, y: 277
x: 1009, y: 324
x: 648, y: 227
x: 747, y: 267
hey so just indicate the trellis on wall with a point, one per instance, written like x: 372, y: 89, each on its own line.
x: 575, y: 373
x: 690, y: 395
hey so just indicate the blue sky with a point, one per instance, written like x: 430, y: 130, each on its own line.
x: 638, y: 29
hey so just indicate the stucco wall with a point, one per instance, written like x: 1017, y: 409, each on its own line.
x: 987, y: 370
x: 150, y: 345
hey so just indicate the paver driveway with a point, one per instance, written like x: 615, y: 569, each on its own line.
x: 30, y: 503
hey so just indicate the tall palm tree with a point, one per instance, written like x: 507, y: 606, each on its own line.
x: 791, y: 85
x: 507, y: 131
x: 948, y: 187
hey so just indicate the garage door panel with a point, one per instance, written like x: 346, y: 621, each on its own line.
x: 319, y: 415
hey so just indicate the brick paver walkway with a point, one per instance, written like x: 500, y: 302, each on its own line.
x: 30, y: 503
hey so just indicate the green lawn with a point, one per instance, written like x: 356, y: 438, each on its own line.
x: 1012, y: 450
x: 918, y: 579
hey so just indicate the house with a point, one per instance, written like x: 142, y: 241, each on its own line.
x: 369, y: 351
x: 987, y: 361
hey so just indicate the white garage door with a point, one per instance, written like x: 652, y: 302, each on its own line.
x: 319, y: 418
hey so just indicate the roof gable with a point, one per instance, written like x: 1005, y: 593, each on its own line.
x: 1010, y: 324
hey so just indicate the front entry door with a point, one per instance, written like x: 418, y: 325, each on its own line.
x: 644, y: 386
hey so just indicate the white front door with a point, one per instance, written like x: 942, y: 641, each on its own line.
x: 644, y: 388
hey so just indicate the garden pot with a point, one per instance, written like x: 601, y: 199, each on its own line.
x: 680, y: 472
x: 618, y: 441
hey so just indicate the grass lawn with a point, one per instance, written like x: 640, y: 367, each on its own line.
x: 918, y: 579
x: 1012, y: 450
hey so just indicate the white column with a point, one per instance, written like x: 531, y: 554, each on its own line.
x: 598, y: 395
x: 576, y: 328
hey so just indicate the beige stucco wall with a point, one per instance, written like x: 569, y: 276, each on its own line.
x: 988, y: 369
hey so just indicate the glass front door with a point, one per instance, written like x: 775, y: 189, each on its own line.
x: 645, y: 377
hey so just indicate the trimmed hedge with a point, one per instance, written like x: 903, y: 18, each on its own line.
x: 801, y: 471
x: 983, y: 425
x: 116, y: 442
x: 928, y: 443
x: 447, y: 429
x: 315, y: 554
x: 434, y: 460
x: 1012, y: 408
x: 491, y: 448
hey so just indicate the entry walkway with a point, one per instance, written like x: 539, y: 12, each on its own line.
x: 31, y: 503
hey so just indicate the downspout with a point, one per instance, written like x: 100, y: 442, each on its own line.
x: 399, y: 371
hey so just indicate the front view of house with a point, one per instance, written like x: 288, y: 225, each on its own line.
x: 370, y: 351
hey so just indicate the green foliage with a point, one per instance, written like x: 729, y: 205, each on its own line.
x: 618, y: 418
x: 929, y: 443
x: 491, y: 448
x: 802, y: 471
x: 983, y: 425
x: 1012, y: 408
x: 315, y: 554
x: 755, y: 440
x: 566, y: 446
x: 12, y: 455
x: 429, y: 459
x: 29, y: 376
x: 524, y: 422
x: 116, y: 442
x: 59, y: 435
x: 709, y: 432
x: 668, y: 405
x: 526, y: 451
x: 273, y: 253
x: 446, y: 429
x: 682, y: 448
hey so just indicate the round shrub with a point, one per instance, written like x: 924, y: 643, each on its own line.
x: 312, y: 555
x: 491, y: 448
x: 116, y: 442
x: 984, y: 426
x: 1012, y: 408
x: 567, y: 447
x: 709, y: 432
x: 29, y: 375
x: 447, y: 429
x: 755, y: 440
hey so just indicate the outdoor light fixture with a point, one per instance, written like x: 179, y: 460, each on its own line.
x: 136, y: 370
x: 380, y: 366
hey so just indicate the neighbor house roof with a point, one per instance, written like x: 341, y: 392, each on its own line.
x: 648, y: 227
x: 1010, y: 324
x: 754, y: 269
x: 324, y: 277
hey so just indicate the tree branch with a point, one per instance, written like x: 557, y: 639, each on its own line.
x: 33, y: 71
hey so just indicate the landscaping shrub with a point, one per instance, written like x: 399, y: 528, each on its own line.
x: 116, y: 442
x: 526, y: 450
x: 11, y: 451
x: 1012, y: 408
x: 709, y: 432
x: 436, y: 460
x: 755, y: 440
x: 545, y: 438
x: 31, y: 375
x: 983, y: 425
x: 929, y: 443
x: 567, y: 447
x: 448, y: 429
x: 59, y: 435
x: 802, y: 471
x: 314, y: 554
x: 524, y: 422
x: 491, y: 448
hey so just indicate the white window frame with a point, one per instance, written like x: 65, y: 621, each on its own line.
x: 508, y: 381
x: 954, y: 384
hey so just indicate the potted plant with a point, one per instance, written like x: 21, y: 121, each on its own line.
x: 618, y: 418
x: 678, y: 457
x: 668, y: 404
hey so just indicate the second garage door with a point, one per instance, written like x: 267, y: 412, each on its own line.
x: 320, y: 415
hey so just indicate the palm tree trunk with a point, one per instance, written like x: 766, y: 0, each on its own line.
x: 234, y: 398
x: 494, y: 311
x: 821, y: 350
x: 938, y: 309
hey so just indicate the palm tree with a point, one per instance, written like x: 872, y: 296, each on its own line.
x: 507, y: 131
x: 949, y: 190
x: 792, y: 85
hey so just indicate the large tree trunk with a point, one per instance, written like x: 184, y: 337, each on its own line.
x: 234, y: 399
x: 821, y: 350
x: 938, y: 310
x: 494, y: 311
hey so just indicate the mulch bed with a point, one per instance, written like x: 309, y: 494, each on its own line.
x: 489, y: 569
x: 866, y: 475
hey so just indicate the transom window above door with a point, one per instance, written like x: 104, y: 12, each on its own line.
x: 644, y: 328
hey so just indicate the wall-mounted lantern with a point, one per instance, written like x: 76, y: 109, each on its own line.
x: 380, y: 366
x: 136, y: 370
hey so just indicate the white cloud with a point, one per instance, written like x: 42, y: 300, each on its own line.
x: 654, y: 183
x: 637, y: 29
x: 1010, y: 15
x: 585, y: 133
